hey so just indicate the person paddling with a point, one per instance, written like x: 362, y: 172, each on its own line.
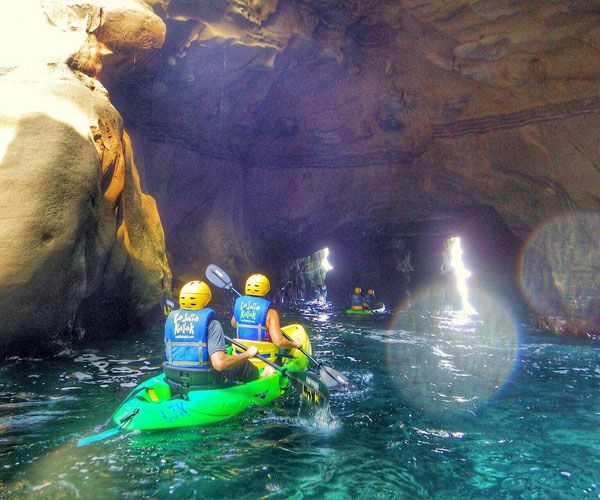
x: 254, y: 319
x: 370, y: 299
x: 195, y: 345
x: 357, y: 301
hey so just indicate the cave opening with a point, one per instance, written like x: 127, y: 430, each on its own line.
x: 304, y: 280
x: 453, y: 263
x: 462, y: 252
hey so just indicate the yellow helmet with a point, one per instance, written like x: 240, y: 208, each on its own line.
x: 258, y: 285
x: 194, y: 295
x: 357, y: 290
x: 371, y: 292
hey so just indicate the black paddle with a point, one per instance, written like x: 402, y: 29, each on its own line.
x: 309, y: 387
x: 330, y: 377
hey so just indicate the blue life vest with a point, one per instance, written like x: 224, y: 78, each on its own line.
x: 369, y: 299
x: 356, y: 300
x: 251, y: 317
x: 186, y: 338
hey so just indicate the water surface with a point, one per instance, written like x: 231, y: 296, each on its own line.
x: 443, y: 406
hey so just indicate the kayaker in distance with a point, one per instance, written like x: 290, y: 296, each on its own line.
x: 195, y: 345
x: 357, y: 302
x: 370, y: 299
x: 254, y: 319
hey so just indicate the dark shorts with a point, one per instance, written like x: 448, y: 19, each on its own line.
x: 244, y: 372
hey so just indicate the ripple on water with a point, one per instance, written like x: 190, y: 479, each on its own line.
x: 535, y: 438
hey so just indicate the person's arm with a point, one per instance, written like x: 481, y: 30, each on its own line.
x: 222, y: 361
x: 275, y: 331
x: 219, y: 359
x: 233, y: 321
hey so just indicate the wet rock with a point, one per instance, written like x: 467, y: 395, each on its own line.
x: 267, y: 127
x: 78, y: 231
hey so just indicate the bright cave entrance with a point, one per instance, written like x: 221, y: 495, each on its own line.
x: 304, y: 279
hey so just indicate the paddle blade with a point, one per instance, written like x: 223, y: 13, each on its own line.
x: 218, y: 277
x: 168, y: 304
x: 310, y: 388
x: 332, y: 377
x: 327, y: 379
x: 98, y: 437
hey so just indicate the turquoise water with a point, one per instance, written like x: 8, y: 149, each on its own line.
x: 443, y: 406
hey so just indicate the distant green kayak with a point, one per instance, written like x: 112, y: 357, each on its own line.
x: 367, y: 312
x: 150, y: 405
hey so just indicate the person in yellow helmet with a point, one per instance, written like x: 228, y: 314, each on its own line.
x: 253, y: 316
x: 356, y: 299
x: 195, y: 344
x: 370, y: 299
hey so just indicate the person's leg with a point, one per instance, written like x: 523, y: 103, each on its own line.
x: 244, y: 372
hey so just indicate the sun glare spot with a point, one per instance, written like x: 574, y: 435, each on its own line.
x: 447, y: 368
x: 461, y: 273
x: 325, y: 263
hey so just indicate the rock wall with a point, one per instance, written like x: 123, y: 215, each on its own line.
x: 358, y: 121
x: 83, y: 248
x: 201, y: 204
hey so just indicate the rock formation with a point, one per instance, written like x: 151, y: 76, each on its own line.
x: 82, y: 246
x: 268, y: 129
x: 315, y: 122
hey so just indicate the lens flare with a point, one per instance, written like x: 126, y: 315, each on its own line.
x: 559, y: 272
x: 461, y: 273
x: 447, y: 362
x: 325, y: 263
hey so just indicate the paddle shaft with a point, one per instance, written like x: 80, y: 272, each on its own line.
x: 302, y: 350
x: 262, y: 358
x: 330, y: 371
x: 368, y: 307
x: 307, y: 390
x: 220, y: 278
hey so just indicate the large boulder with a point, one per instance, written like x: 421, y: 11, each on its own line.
x: 82, y: 246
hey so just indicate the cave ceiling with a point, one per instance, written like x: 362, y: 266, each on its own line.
x: 400, y: 111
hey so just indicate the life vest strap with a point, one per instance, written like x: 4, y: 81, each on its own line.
x: 187, y: 344
x: 256, y: 327
x: 199, y: 345
x: 187, y: 363
x: 262, y: 330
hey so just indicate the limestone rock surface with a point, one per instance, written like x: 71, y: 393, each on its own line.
x: 82, y: 246
x: 369, y: 120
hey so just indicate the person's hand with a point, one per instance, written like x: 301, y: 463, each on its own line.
x: 252, y: 351
x: 297, y: 344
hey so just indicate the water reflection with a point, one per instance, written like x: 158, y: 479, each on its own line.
x: 460, y: 362
x: 404, y: 431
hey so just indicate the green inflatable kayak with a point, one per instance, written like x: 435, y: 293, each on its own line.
x: 151, y: 406
x: 367, y: 312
